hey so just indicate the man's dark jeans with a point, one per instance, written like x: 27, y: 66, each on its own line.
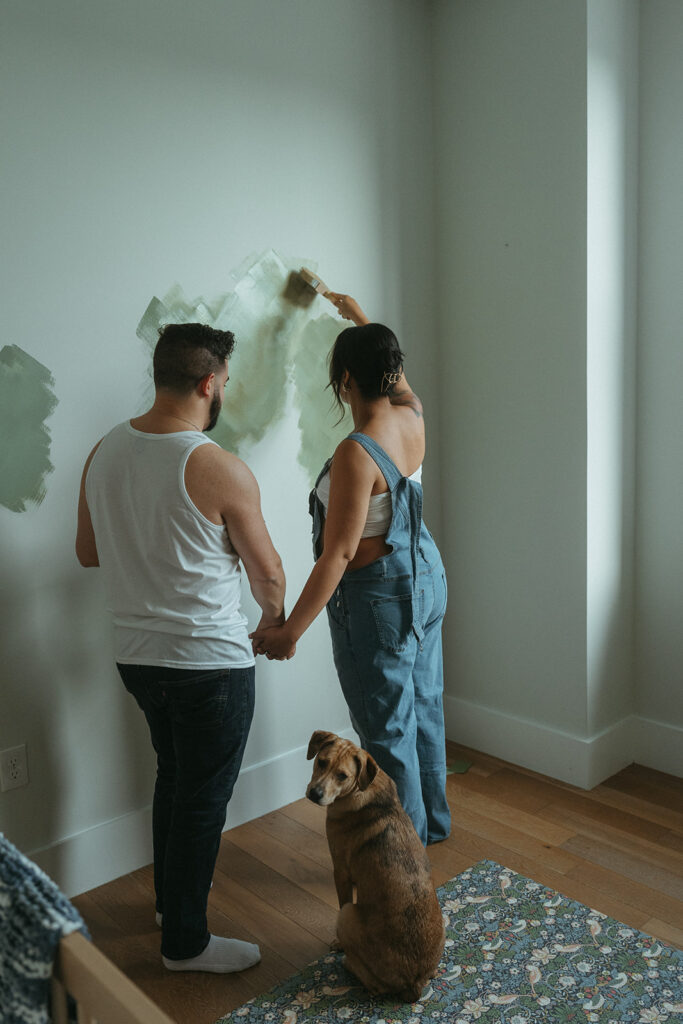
x: 199, y: 721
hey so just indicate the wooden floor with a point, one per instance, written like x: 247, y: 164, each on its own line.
x: 617, y: 848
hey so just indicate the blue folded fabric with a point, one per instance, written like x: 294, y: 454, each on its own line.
x: 34, y: 915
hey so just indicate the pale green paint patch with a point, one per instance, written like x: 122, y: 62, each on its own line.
x: 318, y: 411
x: 264, y: 325
x: 26, y: 401
x: 274, y: 339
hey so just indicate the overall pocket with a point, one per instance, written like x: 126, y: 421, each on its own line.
x: 394, y: 621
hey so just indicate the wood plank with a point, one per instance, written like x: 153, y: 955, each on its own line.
x: 128, y: 903
x: 634, y: 785
x: 653, y: 852
x: 578, y: 803
x: 300, y: 869
x: 299, y: 837
x: 510, y: 838
x: 545, y: 831
x: 316, y: 916
x: 441, y: 875
x: 671, y: 841
x: 649, y: 777
x: 664, y: 931
x: 627, y: 865
x: 99, y: 922
x: 636, y: 894
x: 666, y: 815
x: 448, y: 861
x: 270, y: 926
x: 307, y: 813
x: 511, y: 789
x: 640, y: 806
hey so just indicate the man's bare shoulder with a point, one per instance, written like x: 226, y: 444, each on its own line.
x: 213, y: 454
x: 210, y: 464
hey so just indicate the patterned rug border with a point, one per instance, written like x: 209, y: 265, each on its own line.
x: 575, y: 965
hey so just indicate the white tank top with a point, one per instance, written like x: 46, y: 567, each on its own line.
x: 172, y: 577
x: 379, y: 508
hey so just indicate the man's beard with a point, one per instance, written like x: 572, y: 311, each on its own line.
x: 214, y: 411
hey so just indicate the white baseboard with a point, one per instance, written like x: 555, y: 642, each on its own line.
x: 657, y: 745
x: 580, y: 761
x: 99, y: 854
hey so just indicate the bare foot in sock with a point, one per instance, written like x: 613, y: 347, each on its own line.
x: 221, y: 956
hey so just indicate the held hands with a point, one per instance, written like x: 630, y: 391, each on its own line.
x: 273, y: 641
x: 347, y: 307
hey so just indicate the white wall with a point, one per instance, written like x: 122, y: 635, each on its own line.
x: 145, y: 145
x: 659, y: 691
x: 536, y: 138
x: 511, y: 188
x: 611, y: 327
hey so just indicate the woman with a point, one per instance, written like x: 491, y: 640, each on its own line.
x: 379, y: 573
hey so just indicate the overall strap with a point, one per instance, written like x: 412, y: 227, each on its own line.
x: 409, y: 496
x: 323, y: 471
x: 387, y: 465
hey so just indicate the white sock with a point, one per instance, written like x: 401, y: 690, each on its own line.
x: 221, y: 956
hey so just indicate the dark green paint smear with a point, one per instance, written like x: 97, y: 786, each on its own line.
x: 26, y: 401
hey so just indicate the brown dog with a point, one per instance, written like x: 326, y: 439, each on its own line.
x: 393, y: 935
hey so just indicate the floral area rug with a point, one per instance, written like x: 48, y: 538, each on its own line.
x: 516, y: 952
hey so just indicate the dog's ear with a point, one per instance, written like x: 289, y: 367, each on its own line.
x: 316, y: 741
x: 367, y: 769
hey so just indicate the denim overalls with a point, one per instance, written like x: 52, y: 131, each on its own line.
x: 385, y: 621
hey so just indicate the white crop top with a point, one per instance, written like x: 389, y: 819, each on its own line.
x: 379, y: 509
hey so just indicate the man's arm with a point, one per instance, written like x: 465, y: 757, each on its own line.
x: 223, y: 487
x: 86, y: 548
x: 250, y: 538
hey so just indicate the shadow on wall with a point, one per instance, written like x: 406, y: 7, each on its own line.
x: 56, y: 698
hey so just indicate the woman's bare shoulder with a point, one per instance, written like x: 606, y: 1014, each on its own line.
x: 351, y: 459
x: 402, y: 397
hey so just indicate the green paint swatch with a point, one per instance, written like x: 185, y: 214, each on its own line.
x: 276, y: 341
x: 318, y: 412
x: 26, y: 401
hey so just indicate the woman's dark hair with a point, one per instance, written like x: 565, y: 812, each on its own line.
x: 371, y: 355
x: 186, y: 353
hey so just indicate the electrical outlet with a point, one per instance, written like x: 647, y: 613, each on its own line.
x: 13, y: 768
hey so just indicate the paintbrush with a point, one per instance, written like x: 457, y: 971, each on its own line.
x: 303, y: 286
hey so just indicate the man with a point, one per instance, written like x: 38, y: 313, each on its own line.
x: 167, y: 514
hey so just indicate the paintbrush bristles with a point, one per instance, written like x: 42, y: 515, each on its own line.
x: 298, y: 291
x: 302, y: 287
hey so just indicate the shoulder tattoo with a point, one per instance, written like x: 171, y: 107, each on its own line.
x: 407, y: 398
